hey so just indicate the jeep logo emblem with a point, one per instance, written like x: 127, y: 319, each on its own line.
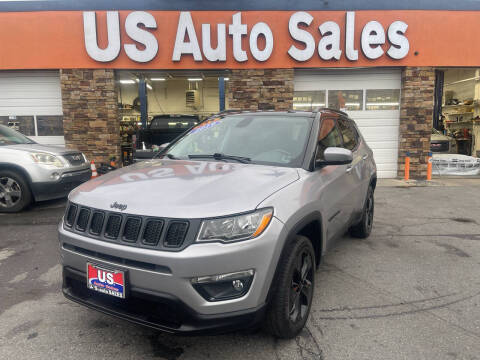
x: 118, y: 206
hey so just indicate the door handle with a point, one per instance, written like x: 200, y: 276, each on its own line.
x: 365, y: 157
x: 349, y: 169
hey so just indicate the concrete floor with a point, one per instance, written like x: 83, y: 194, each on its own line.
x: 410, y: 291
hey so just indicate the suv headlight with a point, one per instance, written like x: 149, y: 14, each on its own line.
x: 234, y: 228
x: 47, y: 159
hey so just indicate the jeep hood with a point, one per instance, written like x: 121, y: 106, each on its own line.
x: 184, y: 189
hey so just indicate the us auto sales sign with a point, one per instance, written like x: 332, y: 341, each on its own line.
x: 330, y: 41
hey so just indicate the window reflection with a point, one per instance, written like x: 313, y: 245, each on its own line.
x: 383, y: 99
x: 351, y: 100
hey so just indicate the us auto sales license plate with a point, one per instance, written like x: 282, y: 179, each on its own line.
x: 110, y: 282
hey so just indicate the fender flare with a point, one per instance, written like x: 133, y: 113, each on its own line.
x: 313, y: 216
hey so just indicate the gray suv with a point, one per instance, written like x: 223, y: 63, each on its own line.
x: 33, y: 172
x: 226, y: 229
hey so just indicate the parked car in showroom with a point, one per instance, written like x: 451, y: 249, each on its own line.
x: 162, y: 129
x: 227, y: 229
x: 442, y: 144
x: 33, y: 172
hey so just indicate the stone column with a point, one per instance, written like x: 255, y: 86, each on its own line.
x: 91, y: 121
x: 261, y: 89
x: 416, y: 119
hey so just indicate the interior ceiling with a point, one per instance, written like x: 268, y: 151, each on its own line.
x: 172, y: 74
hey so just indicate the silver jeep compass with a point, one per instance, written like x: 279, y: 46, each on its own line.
x: 226, y: 229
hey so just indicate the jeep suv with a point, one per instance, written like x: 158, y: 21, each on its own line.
x: 226, y: 229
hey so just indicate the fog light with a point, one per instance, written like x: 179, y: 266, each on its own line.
x: 237, y: 285
x: 223, y: 286
x: 55, y: 176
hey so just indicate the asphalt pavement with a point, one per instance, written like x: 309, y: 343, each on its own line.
x: 410, y: 291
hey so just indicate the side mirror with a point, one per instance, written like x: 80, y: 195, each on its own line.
x: 335, y: 156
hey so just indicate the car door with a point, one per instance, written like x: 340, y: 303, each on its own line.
x: 355, y: 171
x: 332, y: 178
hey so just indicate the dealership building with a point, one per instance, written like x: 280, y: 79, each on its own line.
x: 88, y: 74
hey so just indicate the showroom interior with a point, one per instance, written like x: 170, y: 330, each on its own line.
x: 31, y: 102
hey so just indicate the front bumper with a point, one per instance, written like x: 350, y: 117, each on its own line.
x: 161, y: 312
x: 60, y: 188
x: 160, y: 293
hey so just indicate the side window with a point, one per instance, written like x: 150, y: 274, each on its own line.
x: 350, y: 139
x: 328, y: 136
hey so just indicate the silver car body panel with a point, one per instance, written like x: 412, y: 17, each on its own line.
x: 334, y: 195
x: 185, y: 189
x: 19, y: 156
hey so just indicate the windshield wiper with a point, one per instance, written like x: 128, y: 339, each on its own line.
x: 218, y: 156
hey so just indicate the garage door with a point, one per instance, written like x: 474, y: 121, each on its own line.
x: 371, y: 97
x: 31, y: 102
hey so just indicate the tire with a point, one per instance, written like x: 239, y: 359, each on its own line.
x: 292, y: 296
x: 363, y: 229
x: 15, y: 193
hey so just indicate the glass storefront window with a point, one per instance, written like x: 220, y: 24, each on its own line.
x: 50, y: 125
x: 383, y: 99
x: 349, y: 100
x: 308, y: 100
x: 22, y: 124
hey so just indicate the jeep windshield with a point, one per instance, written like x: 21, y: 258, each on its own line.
x: 12, y: 137
x: 277, y: 140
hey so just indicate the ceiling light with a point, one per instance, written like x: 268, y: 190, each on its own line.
x: 127, y: 82
x: 158, y: 79
x: 226, y: 79
x: 195, y: 79
x: 149, y: 87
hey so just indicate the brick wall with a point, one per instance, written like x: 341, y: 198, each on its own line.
x: 416, y: 115
x: 261, y: 89
x: 90, y: 113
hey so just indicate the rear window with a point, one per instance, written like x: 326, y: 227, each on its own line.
x: 181, y: 123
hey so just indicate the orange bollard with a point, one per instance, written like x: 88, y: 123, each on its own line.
x: 407, y: 166
x: 94, y: 170
x: 429, y: 166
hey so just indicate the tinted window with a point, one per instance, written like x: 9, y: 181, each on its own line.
x: 349, y: 136
x: 23, y: 124
x: 50, y: 125
x: 265, y: 139
x: 328, y: 136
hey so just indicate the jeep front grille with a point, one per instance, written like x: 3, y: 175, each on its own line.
x: 70, y: 215
x: 82, y: 220
x: 114, y: 223
x: 152, y: 232
x: 133, y: 230
x: 176, y: 233
x: 97, y: 222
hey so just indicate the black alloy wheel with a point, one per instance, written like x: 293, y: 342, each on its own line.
x: 301, y: 287
x: 363, y: 229
x: 292, y: 291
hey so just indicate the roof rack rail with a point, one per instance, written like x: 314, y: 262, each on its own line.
x: 330, y: 109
